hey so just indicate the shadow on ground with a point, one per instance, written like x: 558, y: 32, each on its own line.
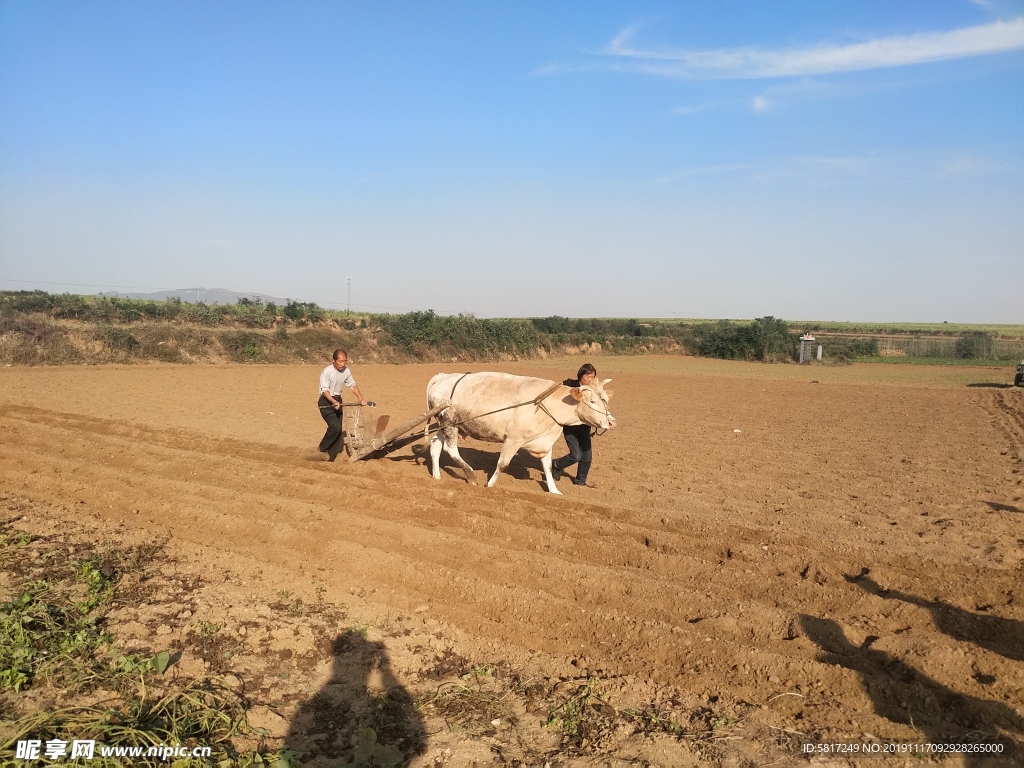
x: 362, y: 716
x: 901, y: 694
x: 993, y: 633
x: 995, y: 506
x: 521, y: 466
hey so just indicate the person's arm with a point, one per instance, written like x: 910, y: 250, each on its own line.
x: 350, y: 382
x: 336, y: 403
x: 355, y: 390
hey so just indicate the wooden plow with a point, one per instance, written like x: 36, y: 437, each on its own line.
x: 357, y: 446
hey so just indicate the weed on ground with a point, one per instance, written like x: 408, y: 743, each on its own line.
x: 65, y: 677
x: 127, y: 645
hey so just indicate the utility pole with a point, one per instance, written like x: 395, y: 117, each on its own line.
x: 348, y: 304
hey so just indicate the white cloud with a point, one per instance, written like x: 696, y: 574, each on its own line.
x: 692, y: 109
x: 753, y: 63
x: 705, y: 171
x: 761, y: 104
x: 872, y: 168
x: 964, y: 165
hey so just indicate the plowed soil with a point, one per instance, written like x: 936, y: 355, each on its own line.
x: 819, y: 554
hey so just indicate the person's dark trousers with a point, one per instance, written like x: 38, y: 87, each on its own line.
x: 332, y: 442
x: 578, y: 440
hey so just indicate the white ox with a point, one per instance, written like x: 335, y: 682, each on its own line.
x: 480, y: 408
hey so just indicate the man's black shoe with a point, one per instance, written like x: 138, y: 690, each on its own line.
x: 557, y: 473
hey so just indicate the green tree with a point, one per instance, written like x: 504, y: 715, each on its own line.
x: 974, y: 345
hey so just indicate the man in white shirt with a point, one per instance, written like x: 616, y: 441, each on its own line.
x: 332, y: 379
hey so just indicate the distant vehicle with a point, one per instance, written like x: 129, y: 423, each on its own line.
x: 1019, y: 378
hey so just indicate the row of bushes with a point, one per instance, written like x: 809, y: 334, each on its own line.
x: 767, y: 339
x: 422, y: 334
x: 108, y: 309
x: 35, y: 339
x: 33, y: 331
x: 39, y: 340
x: 597, y: 326
x: 969, y: 345
x: 841, y: 349
x: 416, y: 332
x: 30, y: 339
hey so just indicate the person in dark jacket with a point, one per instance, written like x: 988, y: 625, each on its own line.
x: 577, y: 437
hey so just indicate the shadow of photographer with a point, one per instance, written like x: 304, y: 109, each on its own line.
x: 902, y: 694
x: 995, y: 506
x: 993, y: 633
x: 362, y: 716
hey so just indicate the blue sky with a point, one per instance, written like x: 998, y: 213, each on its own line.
x: 833, y: 161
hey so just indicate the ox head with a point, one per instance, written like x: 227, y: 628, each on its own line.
x: 592, y: 404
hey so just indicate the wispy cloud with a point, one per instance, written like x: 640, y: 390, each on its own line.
x: 755, y: 63
x: 813, y: 169
x: 706, y: 170
x: 967, y: 164
x: 872, y: 167
x: 693, y: 109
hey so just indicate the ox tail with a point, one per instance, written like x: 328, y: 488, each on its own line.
x: 426, y: 424
x: 430, y: 384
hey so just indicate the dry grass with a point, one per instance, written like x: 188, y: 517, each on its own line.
x: 53, y: 648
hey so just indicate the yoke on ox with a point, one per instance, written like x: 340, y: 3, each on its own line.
x: 516, y: 411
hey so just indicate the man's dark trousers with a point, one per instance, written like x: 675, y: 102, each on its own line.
x: 332, y: 442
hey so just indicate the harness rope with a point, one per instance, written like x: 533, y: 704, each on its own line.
x: 452, y: 395
x: 537, y: 401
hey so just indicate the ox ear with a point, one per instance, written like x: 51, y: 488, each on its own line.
x: 576, y: 393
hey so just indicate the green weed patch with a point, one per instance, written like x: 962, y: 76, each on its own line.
x: 54, y: 647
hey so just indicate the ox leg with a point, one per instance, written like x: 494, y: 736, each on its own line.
x: 436, y: 444
x: 508, y: 450
x: 451, y: 447
x: 548, y: 477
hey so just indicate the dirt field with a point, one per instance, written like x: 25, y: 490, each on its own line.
x: 785, y: 554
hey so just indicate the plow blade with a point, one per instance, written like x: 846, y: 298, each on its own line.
x: 380, y: 441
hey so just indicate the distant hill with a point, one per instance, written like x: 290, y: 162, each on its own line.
x: 195, y: 295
